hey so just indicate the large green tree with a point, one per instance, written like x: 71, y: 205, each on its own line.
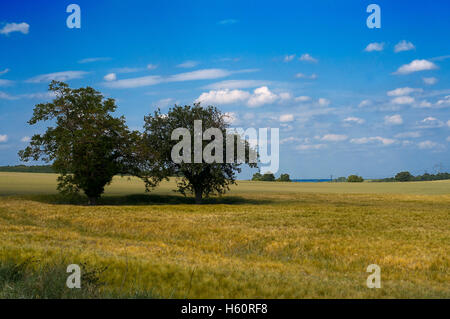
x: 202, y: 178
x: 86, y: 144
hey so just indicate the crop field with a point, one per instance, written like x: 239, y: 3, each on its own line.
x: 261, y: 240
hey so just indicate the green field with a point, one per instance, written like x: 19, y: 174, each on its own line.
x: 261, y: 240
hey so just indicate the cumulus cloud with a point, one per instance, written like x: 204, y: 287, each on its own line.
x: 408, y: 135
x: 25, y: 139
x: 286, y: 118
x: 430, y: 80
x: 165, y: 102
x: 366, y: 140
x: 353, y: 119
x: 403, y: 46
x: 225, y: 96
x: 302, y: 98
x: 375, y: 46
x: 151, y: 66
x: 110, y: 77
x: 323, y: 102
x: 188, y: 64
x: 448, y: 123
x: 427, y: 145
x: 365, y: 103
x: 402, y: 100
x: 416, y: 66
x: 289, y: 57
x: 15, y: 27
x: 304, y: 76
x: 290, y: 139
x: 306, y: 147
x: 308, y: 58
x: 3, y: 138
x: 403, y: 91
x: 445, y: 102
x: 230, y: 117
x: 261, y: 96
x: 334, y: 137
x: 57, y: 76
x: 430, y: 122
x: 5, y: 82
x: 395, y: 119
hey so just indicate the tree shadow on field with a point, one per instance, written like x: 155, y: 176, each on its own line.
x: 144, y: 199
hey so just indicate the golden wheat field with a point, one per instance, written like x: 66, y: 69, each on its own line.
x: 261, y: 240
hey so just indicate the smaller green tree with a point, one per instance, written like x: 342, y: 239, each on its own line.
x: 404, y: 177
x: 87, y: 145
x: 284, y: 178
x: 257, y: 177
x: 268, y: 177
x: 355, y: 179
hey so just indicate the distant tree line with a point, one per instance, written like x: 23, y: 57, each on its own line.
x: 270, y: 177
x: 408, y: 177
x: 28, y: 169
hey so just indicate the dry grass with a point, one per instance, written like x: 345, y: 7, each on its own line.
x: 256, y: 243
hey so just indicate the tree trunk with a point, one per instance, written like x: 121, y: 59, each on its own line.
x: 198, y: 196
x: 92, y: 201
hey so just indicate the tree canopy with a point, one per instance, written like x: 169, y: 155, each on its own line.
x: 199, y: 176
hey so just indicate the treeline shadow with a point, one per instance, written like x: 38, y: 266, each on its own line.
x: 144, y: 199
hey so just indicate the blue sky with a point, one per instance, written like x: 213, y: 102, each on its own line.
x: 347, y: 99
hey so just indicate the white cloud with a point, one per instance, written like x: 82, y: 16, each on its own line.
x: 286, y: 118
x: 448, y: 139
x: 403, y: 46
x: 261, y: 96
x: 308, y: 58
x: 365, y: 103
x: 395, y: 119
x: 25, y: 139
x: 110, y: 77
x: 403, y: 91
x: 3, y: 138
x: 352, y: 119
x: 6, y: 96
x: 285, y: 96
x: 448, y: 123
x: 127, y: 70
x: 290, y: 139
x: 416, y: 66
x: 323, y: 102
x: 306, y: 147
x: 334, y: 137
x: 313, y: 76
x: 430, y: 80
x: 204, y: 74
x: 425, y: 104
x: 225, y: 96
x: 366, y: 140
x: 443, y: 102
x: 408, y: 135
x: 15, y: 27
x: 151, y: 66
x: 230, y: 117
x: 5, y: 82
x: 427, y: 144
x: 402, y: 100
x: 164, y: 102
x: 302, y: 98
x: 188, y: 64
x: 236, y: 84
x: 430, y: 122
x: 4, y: 71
x: 288, y: 58
x: 90, y: 60
x: 57, y: 76
x: 375, y: 46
